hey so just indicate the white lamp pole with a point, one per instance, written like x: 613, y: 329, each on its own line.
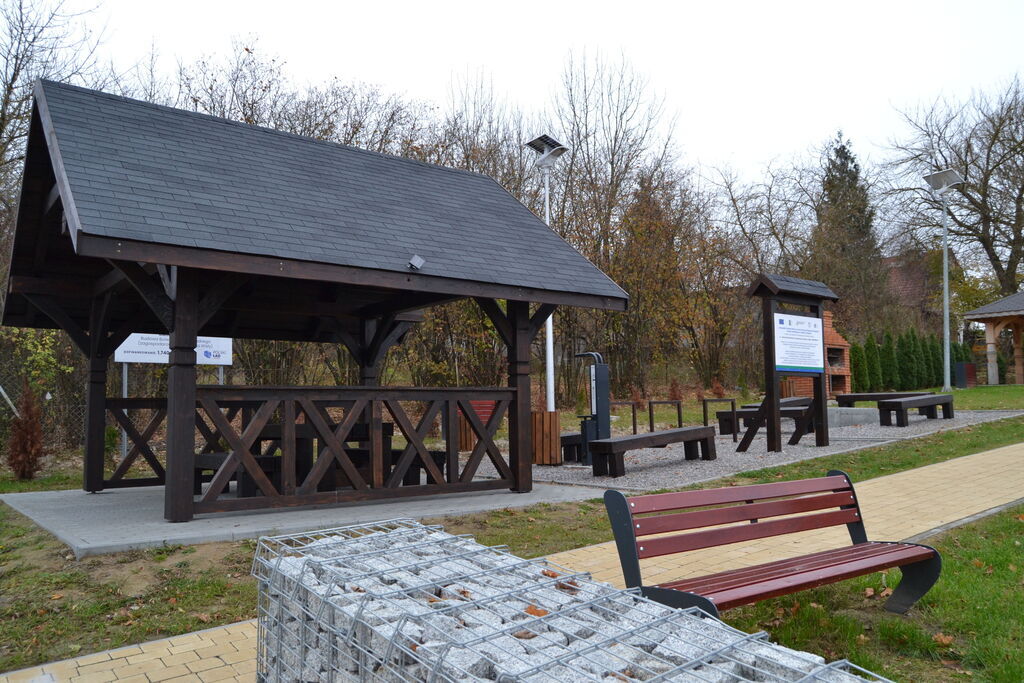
x: 940, y: 182
x: 549, y: 150
x: 549, y: 324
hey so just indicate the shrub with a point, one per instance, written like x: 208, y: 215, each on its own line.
x: 858, y: 368
x: 873, y: 363
x: 906, y: 363
x: 25, y: 450
x: 675, y: 391
x: 890, y: 366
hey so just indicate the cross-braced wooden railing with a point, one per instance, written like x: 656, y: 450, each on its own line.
x: 141, y: 440
x: 287, y: 446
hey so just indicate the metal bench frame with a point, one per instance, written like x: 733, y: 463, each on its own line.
x: 774, y: 509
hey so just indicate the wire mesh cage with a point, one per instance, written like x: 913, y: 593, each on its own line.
x: 401, y: 601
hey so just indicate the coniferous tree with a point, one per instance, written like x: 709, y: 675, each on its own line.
x: 890, y: 364
x: 873, y: 362
x: 906, y: 362
x: 858, y: 369
x: 844, y: 251
x: 921, y: 374
x: 936, y: 361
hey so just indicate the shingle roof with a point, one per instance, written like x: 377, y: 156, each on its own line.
x: 784, y: 284
x: 138, y: 171
x: 1010, y: 305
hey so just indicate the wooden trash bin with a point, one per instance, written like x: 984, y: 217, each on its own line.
x: 467, y: 437
x: 547, y: 442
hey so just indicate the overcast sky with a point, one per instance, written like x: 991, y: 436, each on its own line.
x: 748, y: 81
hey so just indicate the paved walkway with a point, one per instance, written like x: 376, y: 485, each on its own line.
x: 896, y: 507
x: 127, y: 519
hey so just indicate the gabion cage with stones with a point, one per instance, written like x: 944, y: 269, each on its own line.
x: 401, y: 601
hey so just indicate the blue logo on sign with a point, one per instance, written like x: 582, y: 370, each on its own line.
x: 207, y: 354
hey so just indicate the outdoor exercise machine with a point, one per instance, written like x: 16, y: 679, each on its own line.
x: 595, y: 446
x: 598, y: 424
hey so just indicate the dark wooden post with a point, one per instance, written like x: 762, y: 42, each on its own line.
x: 96, y: 396
x: 181, y: 401
x: 772, y: 415
x: 95, y: 425
x: 519, y: 427
x: 821, y: 389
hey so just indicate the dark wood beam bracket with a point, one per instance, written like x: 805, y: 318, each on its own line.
x: 50, y: 308
x: 498, y: 318
x: 151, y: 292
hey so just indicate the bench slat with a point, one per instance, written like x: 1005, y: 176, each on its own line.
x: 819, y: 577
x: 915, y: 401
x: 716, y: 583
x: 630, y: 442
x: 681, y: 500
x: 682, y: 521
x: 666, y: 545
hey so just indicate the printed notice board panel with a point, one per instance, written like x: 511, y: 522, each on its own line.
x: 156, y: 348
x: 799, y: 344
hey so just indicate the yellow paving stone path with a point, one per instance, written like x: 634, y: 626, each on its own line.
x: 896, y: 507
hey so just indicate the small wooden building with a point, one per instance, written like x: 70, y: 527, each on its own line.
x: 1007, y: 312
x: 135, y: 217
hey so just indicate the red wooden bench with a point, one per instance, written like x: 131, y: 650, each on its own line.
x: 743, y: 513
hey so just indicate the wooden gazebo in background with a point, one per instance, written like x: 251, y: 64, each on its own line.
x: 997, y: 316
x: 141, y: 218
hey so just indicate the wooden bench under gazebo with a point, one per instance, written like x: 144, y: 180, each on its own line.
x: 135, y: 217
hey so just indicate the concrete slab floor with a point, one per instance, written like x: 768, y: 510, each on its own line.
x: 127, y: 519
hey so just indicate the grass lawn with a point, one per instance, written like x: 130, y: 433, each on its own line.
x: 1000, y: 397
x: 968, y: 626
x: 552, y: 527
x: 53, y: 607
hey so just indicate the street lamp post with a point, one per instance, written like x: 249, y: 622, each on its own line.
x: 549, y: 150
x: 939, y: 183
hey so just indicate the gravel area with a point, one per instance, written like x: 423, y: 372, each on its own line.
x: 657, y: 468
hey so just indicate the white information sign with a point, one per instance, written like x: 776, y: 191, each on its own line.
x: 799, y: 344
x: 155, y: 348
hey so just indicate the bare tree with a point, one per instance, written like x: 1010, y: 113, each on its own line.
x: 37, y: 40
x: 983, y: 140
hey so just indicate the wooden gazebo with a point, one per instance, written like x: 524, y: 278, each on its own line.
x: 141, y: 218
x: 997, y: 316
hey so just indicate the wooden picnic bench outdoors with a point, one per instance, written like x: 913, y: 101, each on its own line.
x: 607, y: 453
x: 800, y: 409
x: 753, y: 512
x: 927, y: 405
x: 850, y: 400
x: 572, y: 444
x: 747, y: 414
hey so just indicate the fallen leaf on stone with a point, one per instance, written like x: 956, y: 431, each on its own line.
x: 524, y: 635
x: 535, y: 611
x: 550, y: 574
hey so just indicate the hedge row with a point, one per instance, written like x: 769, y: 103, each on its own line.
x: 902, y: 363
